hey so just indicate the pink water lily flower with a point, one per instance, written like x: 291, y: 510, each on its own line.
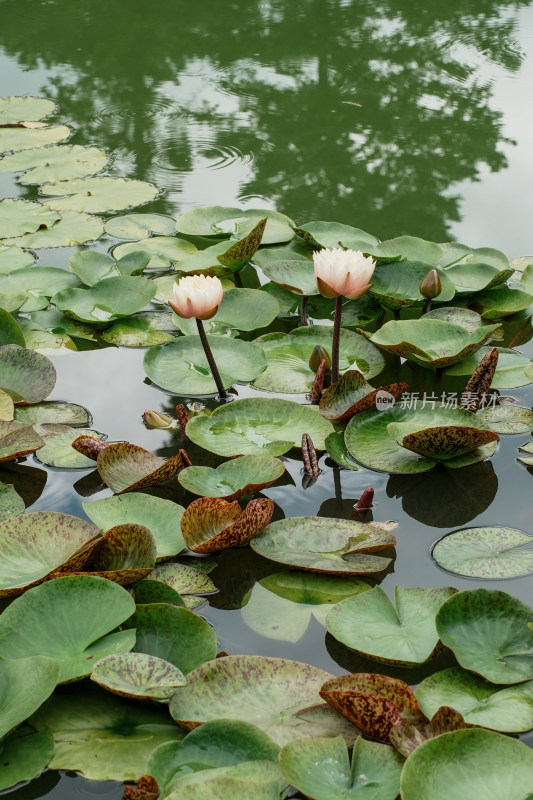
x: 343, y: 273
x: 197, y: 296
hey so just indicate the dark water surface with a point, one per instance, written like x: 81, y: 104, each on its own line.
x: 396, y: 117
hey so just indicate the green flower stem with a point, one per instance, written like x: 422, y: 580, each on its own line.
x: 303, y: 311
x: 336, y: 340
x: 210, y: 360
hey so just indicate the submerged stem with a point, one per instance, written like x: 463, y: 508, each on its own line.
x: 210, y: 360
x: 336, y: 340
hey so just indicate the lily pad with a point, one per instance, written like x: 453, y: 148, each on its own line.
x: 431, y: 342
x: 511, y: 371
x: 296, y: 275
x: 58, y: 450
x: 459, y: 316
x: 55, y: 163
x: 240, y: 477
x: 107, y: 300
x: 473, y: 763
x: 12, y: 258
x: 334, y: 234
x: 502, y: 302
x: 26, y: 683
x: 242, y: 309
x: 204, y: 262
x: 281, y: 697
x: 15, y: 109
x: 94, y: 195
x: 258, y: 425
x: 489, y: 634
x: 54, y: 413
x: 336, y: 448
x: 138, y: 226
x: 125, y: 467
x: 507, y: 419
x: 18, y: 217
x: 402, y: 632
x: 257, y: 779
x: 506, y: 709
x: 471, y: 277
x: 222, y: 222
x: 320, y: 768
x: 163, y: 250
x: 489, y: 553
x: 318, y: 544
x: 73, y: 228
x: 174, y: 634
x: 102, y: 736
x: 17, y: 440
x: 397, y: 285
x: 149, y: 591
x: 210, y: 524
x: 282, y: 605
x: 69, y: 619
x: 38, y: 543
x: 187, y: 581
x: 10, y: 330
x: 288, y: 355
x: 138, y: 675
x: 136, y: 331
x: 24, y: 755
x: 181, y: 365
x: 352, y: 394
x: 21, y: 138
x: 91, y: 266
x: 7, y: 407
x: 11, y: 503
x: 162, y: 517
x: 125, y: 554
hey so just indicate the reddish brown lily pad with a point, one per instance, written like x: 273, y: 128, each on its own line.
x: 125, y: 554
x: 17, y: 440
x: 447, y: 441
x: 89, y: 446
x: 211, y: 523
x: 352, y: 394
x: 125, y: 467
x: 406, y: 738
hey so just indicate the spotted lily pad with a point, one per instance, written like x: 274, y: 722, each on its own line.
x: 507, y: 419
x: 352, y: 394
x: 187, y: 581
x: 240, y: 477
x: 138, y: 226
x: 107, y: 300
x: 125, y: 554
x: 321, y: 769
x: 11, y: 503
x: 26, y: 683
x: 17, y: 440
x: 210, y: 524
x: 55, y: 413
x: 73, y: 228
x: 138, y: 675
x: 24, y: 755
x: 25, y: 138
x: 162, y: 517
x: 319, y: 544
x: 38, y: 543
x: 7, y: 407
x: 431, y: 342
x: 475, y: 763
x: 58, y: 450
x: 412, y: 440
x: 489, y: 634
x: 163, y: 250
x: 102, y: 736
x: 124, y: 467
x: 257, y: 779
x: 402, y: 632
x: 55, y: 163
x: 174, y: 634
x: 501, y: 708
x: 94, y: 195
x: 258, y: 425
x: 69, y: 619
x: 488, y: 553
x: 181, y: 365
x: 280, y: 696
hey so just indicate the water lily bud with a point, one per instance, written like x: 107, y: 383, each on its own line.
x: 318, y: 355
x: 430, y: 286
x: 197, y: 296
x: 196, y: 408
x: 157, y: 419
x: 343, y: 272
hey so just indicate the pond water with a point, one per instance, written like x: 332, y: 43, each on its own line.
x: 396, y: 117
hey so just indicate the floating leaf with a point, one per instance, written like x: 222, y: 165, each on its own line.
x: 58, y: 450
x: 12, y: 258
x: 280, y: 696
x: 470, y: 278
x: 72, y: 229
x: 240, y: 253
x: 464, y: 763
x: 507, y: 709
x: 138, y: 226
x: 125, y: 554
x: 55, y: 163
x: 163, y: 250
x: 507, y: 419
x: 502, y: 302
x: 20, y: 138
x: 397, y: 285
x: 17, y: 440
x: 489, y: 553
x: 488, y: 633
x: 138, y: 675
x: 222, y: 222
x: 296, y: 275
x: 459, y: 316
x: 334, y: 234
x: 26, y: 683
x: 94, y: 195
x: 24, y: 754
x: 54, y: 413
x: 137, y: 331
x: 240, y: 477
x: 124, y: 467
x: 242, y: 309
x: 107, y: 300
x: 174, y: 634
x: 18, y: 217
x: 102, y: 736
x: 352, y: 394
x: 257, y: 779
x: 318, y: 544
x: 149, y: 591
x: 185, y: 580
x: 10, y: 330
x: 7, y: 407
x: 11, y: 503
x: 210, y: 524
x: 402, y: 632
x: 91, y: 266
x: 337, y: 451
x: 204, y: 262
x: 68, y: 619
x: 320, y: 768
x: 181, y: 365
x: 258, y: 425
x: 162, y: 517
x: 511, y: 371
x: 15, y: 110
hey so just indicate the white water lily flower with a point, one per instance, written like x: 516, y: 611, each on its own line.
x: 197, y: 296
x: 343, y: 273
